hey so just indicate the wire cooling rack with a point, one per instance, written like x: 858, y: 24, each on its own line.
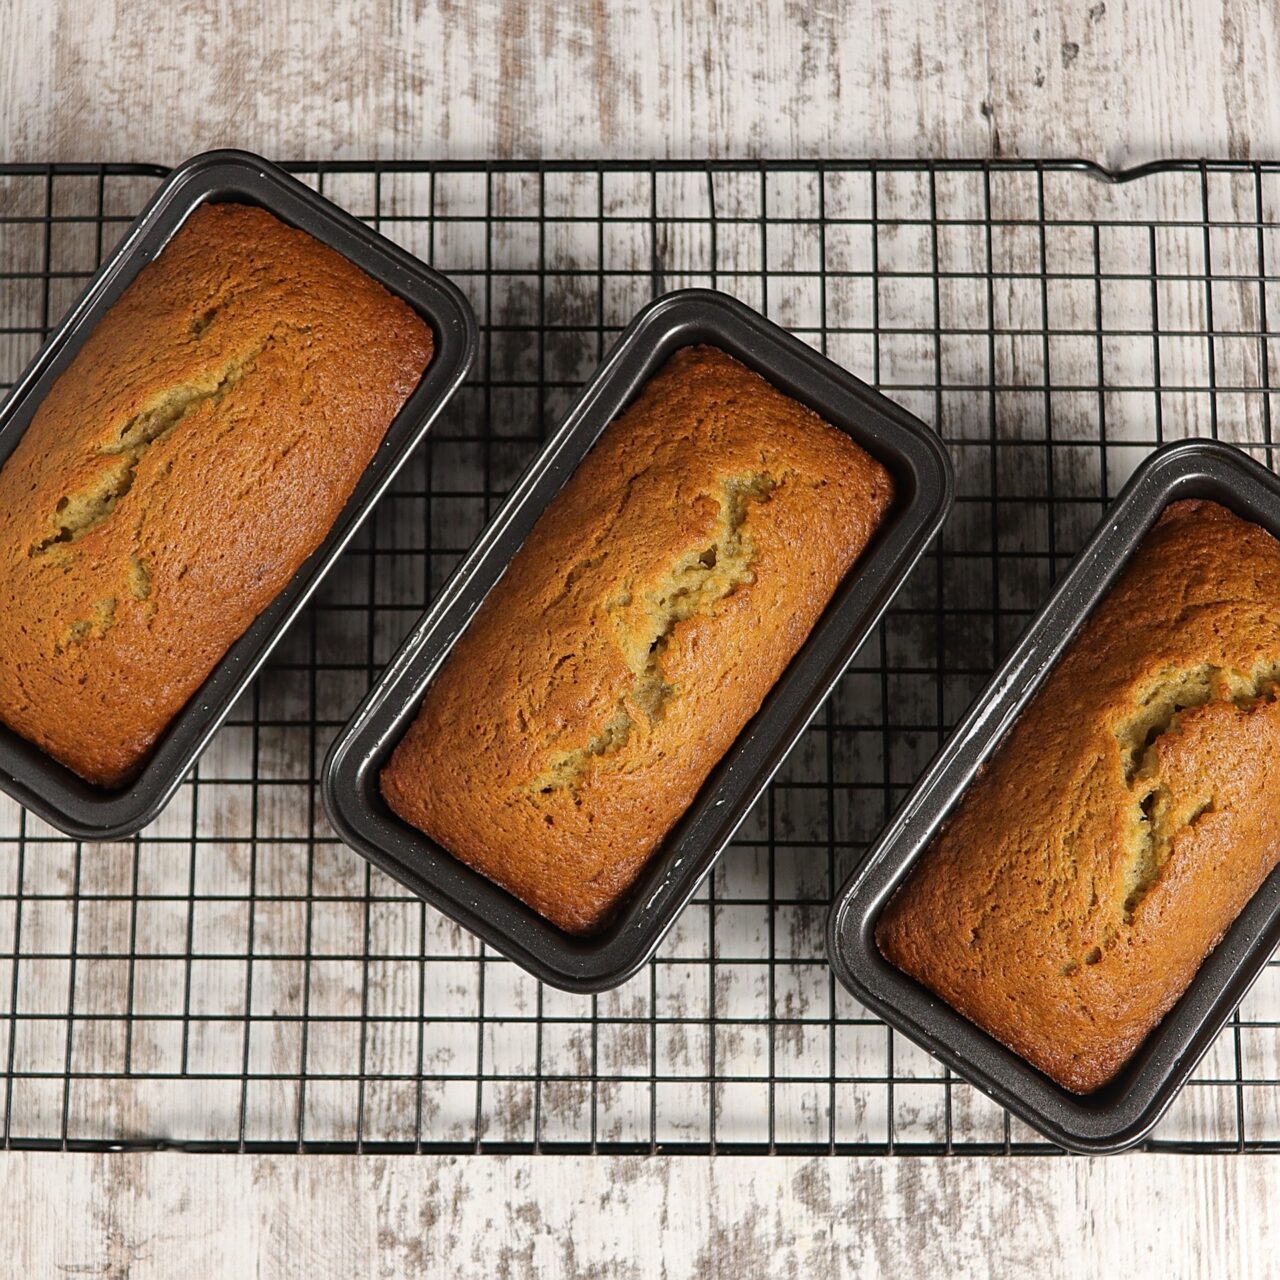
x: 236, y: 979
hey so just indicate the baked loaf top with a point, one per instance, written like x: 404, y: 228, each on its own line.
x: 194, y: 453
x: 1125, y: 820
x: 656, y: 601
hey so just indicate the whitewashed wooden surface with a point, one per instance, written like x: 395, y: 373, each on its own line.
x: 504, y: 1218
x: 1120, y: 83
x: 1115, y: 81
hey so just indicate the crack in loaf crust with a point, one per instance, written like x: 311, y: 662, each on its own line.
x: 1126, y: 819
x: 194, y: 453
x: 656, y: 601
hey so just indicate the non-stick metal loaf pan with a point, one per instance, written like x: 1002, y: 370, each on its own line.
x: 923, y: 476
x: 26, y: 773
x: 1123, y: 1112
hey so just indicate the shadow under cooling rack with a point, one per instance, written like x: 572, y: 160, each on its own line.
x: 236, y: 979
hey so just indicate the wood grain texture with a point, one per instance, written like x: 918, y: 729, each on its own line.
x: 159, y: 79
x: 505, y: 1218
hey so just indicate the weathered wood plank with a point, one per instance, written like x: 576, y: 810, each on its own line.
x: 153, y: 79
x: 498, y: 1217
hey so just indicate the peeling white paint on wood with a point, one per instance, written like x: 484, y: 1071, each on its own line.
x: 1116, y: 82
x: 507, y: 1218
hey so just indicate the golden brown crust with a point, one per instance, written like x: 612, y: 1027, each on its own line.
x: 194, y: 453
x: 1125, y: 820
x: 654, y: 604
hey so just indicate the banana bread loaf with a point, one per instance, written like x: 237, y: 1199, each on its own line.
x: 1125, y: 820
x: 654, y: 604
x: 190, y: 458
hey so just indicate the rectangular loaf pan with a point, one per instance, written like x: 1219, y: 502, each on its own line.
x: 922, y: 473
x: 38, y: 781
x: 1122, y: 1113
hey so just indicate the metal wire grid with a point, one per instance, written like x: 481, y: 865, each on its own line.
x: 236, y: 979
